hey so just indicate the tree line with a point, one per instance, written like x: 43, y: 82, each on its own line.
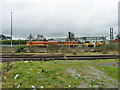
x: 14, y: 42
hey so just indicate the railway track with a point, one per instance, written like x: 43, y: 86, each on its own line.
x: 12, y: 58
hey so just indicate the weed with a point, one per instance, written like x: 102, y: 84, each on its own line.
x: 20, y: 48
x: 93, y: 83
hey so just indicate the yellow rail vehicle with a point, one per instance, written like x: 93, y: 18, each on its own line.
x: 99, y: 44
x: 88, y: 45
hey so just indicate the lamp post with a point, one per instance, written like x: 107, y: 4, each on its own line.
x: 11, y: 29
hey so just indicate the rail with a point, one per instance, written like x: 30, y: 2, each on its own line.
x: 12, y: 58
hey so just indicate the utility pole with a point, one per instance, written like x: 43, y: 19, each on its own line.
x: 111, y: 34
x: 11, y: 29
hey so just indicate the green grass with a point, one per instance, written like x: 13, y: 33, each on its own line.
x: 43, y: 53
x: 84, y: 53
x: 52, y: 74
x: 36, y: 53
x: 111, y: 71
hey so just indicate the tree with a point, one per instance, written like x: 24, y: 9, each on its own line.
x: 30, y: 37
x: 39, y: 37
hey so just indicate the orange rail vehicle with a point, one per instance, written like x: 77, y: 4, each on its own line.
x: 45, y: 43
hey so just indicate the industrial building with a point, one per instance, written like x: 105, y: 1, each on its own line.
x: 3, y: 37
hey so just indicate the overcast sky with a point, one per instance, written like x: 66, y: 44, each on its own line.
x: 54, y: 18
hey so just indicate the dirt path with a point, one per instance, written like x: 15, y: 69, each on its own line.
x: 95, y: 76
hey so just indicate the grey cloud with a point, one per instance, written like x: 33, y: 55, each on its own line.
x: 55, y: 18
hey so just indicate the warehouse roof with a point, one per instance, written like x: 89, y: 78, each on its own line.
x: 4, y: 37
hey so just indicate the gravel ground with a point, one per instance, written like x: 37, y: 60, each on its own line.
x: 108, y: 64
x: 91, y: 74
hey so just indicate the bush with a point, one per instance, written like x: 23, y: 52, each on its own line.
x: 14, y: 42
x: 97, y: 49
x: 104, y: 49
x: 65, y: 49
x: 87, y: 49
x: 32, y: 49
x: 87, y: 42
x: 112, y: 46
x: 77, y: 50
x: 52, y: 47
x: 21, y: 48
x: 108, y: 47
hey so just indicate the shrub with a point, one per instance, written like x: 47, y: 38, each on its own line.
x: 21, y: 48
x: 97, y: 49
x: 65, y: 49
x: 109, y: 47
x: 112, y: 46
x: 77, y: 50
x: 52, y: 47
x: 14, y: 42
x: 104, y: 49
x: 87, y: 49
x: 32, y: 49
x: 87, y: 41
